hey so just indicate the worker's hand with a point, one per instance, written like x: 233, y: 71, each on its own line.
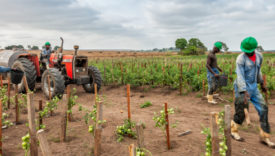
x: 217, y: 75
x: 246, y: 97
x: 263, y: 87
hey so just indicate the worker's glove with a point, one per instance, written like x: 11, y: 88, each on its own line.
x: 263, y: 87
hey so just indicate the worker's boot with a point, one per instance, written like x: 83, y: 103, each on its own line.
x: 264, y: 138
x: 211, y: 100
x: 234, y: 131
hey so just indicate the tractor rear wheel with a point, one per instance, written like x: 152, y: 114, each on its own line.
x: 95, y: 77
x: 56, y: 83
x: 28, y: 67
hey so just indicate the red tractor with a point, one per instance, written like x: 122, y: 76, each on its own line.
x: 61, y: 70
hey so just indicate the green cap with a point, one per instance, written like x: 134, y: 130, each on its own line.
x: 47, y: 43
x: 249, y: 44
x: 218, y: 45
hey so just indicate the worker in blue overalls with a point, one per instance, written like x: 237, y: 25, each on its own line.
x: 248, y: 70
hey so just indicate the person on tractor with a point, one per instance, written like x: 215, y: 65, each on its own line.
x: 45, y: 54
x: 213, y: 71
x: 248, y: 70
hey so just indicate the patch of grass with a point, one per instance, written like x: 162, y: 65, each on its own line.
x: 146, y: 104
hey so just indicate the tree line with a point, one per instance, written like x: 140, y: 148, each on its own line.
x: 34, y: 47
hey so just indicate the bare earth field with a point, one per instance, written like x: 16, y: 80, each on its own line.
x: 191, y: 112
x: 111, y: 54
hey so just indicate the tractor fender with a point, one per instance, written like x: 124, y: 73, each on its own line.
x: 8, y: 57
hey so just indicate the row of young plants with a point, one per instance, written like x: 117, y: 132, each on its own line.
x: 50, y: 106
x: 222, y: 144
x: 128, y: 128
x: 166, y: 71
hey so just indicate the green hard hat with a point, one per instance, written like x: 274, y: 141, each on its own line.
x: 218, y: 45
x: 47, y: 43
x: 249, y: 44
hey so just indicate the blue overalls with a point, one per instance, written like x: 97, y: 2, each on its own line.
x: 248, y: 76
x: 212, y: 81
x: 46, y: 53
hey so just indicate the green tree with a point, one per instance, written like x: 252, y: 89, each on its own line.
x: 56, y: 47
x: 14, y: 46
x: 181, y: 43
x: 35, y: 48
x: 224, y: 46
x: 260, y: 48
x: 196, y: 43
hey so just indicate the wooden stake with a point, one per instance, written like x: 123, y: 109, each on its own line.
x: 167, y: 126
x: 140, y: 135
x: 181, y: 79
x: 40, y: 110
x: 227, y: 129
x: 63, y: 119
x: 233, y: 96
x: 214, y: 134
x: 43, y: 143
x: 1, y: 127
x: 9, y: 91
x: 1, y: 80
x: 32, y: 127
x: 95, y: 90
x: 104, y: 79
x: 25, y: 84
x: 99, y: 114
x: 16, y: 105
x: 97, y: 148
x: 50, y: 93
x: 69, y: 105
x: 98, y: 128
x: 128, y: 102
x: 49, y: 87
x: 121, y: 68
x: 266, y: 94
x: 203, y: 87
x: 132, y: 150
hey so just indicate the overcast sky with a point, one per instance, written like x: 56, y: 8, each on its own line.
x: 136, y: 24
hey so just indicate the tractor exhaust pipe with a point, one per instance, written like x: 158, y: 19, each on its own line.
x: 76, y: 47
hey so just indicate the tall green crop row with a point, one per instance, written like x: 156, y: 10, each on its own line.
x: 165, y: 71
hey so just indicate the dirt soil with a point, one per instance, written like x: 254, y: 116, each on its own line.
x: 191, y: 113
x: 97, y: 54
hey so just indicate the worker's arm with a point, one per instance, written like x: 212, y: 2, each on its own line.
x: 219, y: 69
x: 240, y: 80
x: 4, y: 69
x: 209, y: 67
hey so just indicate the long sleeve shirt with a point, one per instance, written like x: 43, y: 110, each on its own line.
x: 248, y: 72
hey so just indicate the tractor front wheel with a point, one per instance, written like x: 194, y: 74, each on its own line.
x: 53, y: 82
x: 95, y: 77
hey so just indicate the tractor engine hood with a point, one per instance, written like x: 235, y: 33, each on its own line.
x: 8, y: 57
